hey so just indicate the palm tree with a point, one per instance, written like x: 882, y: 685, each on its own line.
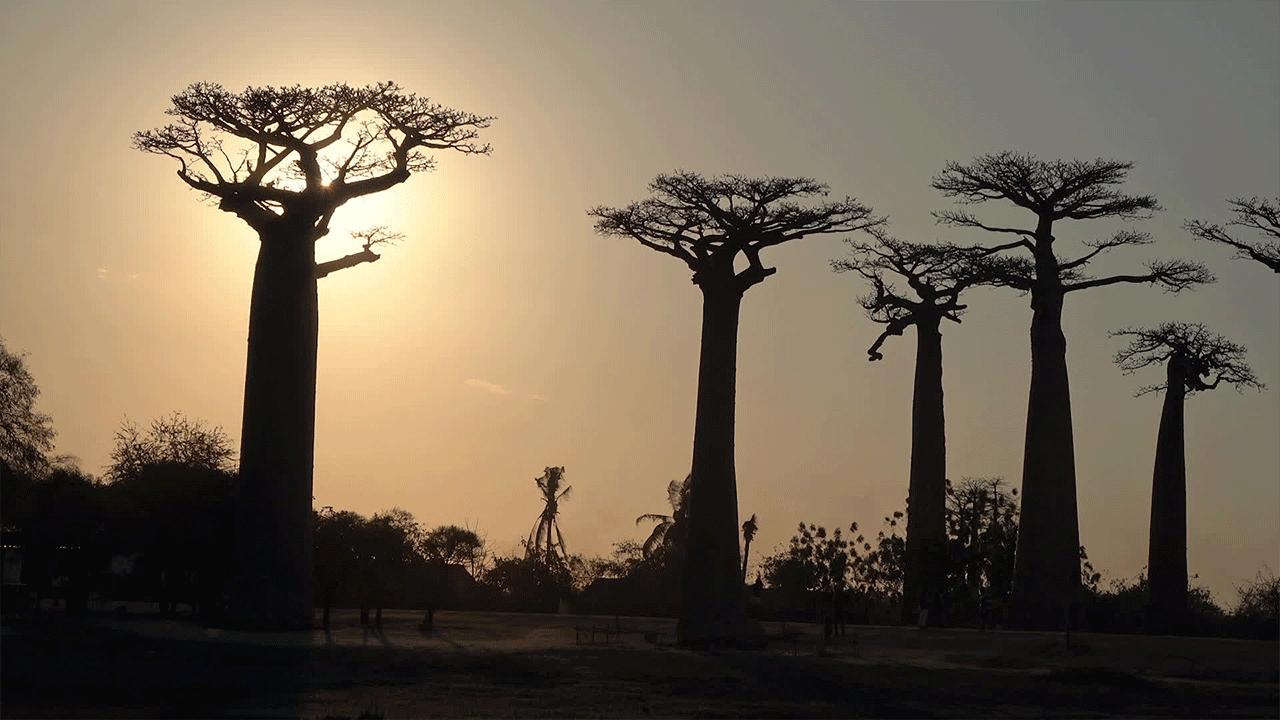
x: 749, y: 529
x: 542, y: 543
x: 665, y: 533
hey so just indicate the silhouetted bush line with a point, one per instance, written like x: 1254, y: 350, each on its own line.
x: 156, y: 527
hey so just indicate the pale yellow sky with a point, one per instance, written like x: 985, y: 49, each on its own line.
x: 503, y: 336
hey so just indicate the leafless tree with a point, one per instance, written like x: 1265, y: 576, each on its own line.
x: 934, y: 275
x: 284, y: 159
x: 1259, y: 214
x: 1047, y: 572
x: 706, y: 223
x: 1195, y: 360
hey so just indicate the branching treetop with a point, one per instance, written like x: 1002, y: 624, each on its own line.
x: 1192, y: 351
x: 706, y: 222
x: 1057, y: 190
x: 935, y: 275
x: 271, y: 154
x: 1259, y: 214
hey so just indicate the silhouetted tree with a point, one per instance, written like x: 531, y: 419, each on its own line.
x: 337, y: 560
x: 176, y: 440
x: 62, y: 533
x: 667, y: 535
x: 389, y: 542
x: 1047, y: 573
x: 706, y: 223
x: 982, y: 530
x: 545, y: 541
x: 439, y: 548
x: 26, y: 435
x: 172, y: 488
x: 1195, y: 360
x: 749, y: 529
x: 1259, y: 214
x: 935, y: 276
x: 284, y: 160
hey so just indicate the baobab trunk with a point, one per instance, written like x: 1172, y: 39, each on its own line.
x: 1167, y: 554
x: 1046, y: 576
x: 272, y: 583
x: 927, y: 499
x: 713, y: 612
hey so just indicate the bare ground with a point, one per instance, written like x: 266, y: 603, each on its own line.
x: 513, y: 665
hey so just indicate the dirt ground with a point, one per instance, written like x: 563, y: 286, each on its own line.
x: 475, y: 664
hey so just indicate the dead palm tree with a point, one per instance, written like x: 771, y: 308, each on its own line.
x: 749, y: 529
x: 545, y: 541
x: 665, y: 533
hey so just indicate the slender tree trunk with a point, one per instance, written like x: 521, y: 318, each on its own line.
x: 746, y: 553
x: 713, y: 611
x: 926, y: 505
x: 272, y: 588
x: 1167, y: 558
x: 1046, y: 573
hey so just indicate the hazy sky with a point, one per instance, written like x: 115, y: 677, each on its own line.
x: 504, y: 336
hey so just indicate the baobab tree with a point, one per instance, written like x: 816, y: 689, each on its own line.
x: 935, y: 277
x: 1047, y: 571
x: 1195, y: 360
x: 545, y: 541
x: 284, y: 160
x: 1259, y: 214
x: 706, y: 223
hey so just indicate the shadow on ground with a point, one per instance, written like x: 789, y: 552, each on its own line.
x: 89, y: 668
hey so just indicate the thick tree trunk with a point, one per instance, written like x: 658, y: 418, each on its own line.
x: 1046, y: 574
x: 272, y: 586
x: 713, y: 611
x: 1167, y: 558
x: 927, y: 499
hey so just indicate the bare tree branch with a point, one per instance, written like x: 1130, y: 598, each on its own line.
x: 1258, y: 214
x: 378, y: 235
x: 1172, y: 275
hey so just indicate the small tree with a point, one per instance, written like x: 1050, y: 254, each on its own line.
x: 175, y: 440
x: 1195, y: 360
x: 706, y: 223
x: 935, y: 276
x: 284, y: 160
x: 1048, y: 567
x: 1258, y: 214
x: 546, y: 543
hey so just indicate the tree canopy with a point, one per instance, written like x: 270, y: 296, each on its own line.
x: 271, y: 154
x: 26, y: 434
x: 1206, y: 358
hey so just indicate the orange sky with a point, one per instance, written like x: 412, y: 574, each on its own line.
x: 503, y: 336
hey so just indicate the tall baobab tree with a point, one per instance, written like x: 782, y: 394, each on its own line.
x: 1047, y: 572
x: 935, y: 276
x: 749, y: 530
x: 1195, y: 360
x: 545, y: 541
x: 284, y: 160
x: 706, y: 223
x: 1260, y: 214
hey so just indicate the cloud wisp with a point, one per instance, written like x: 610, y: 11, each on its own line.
x: 496, y: 389
x: 487, y: 386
